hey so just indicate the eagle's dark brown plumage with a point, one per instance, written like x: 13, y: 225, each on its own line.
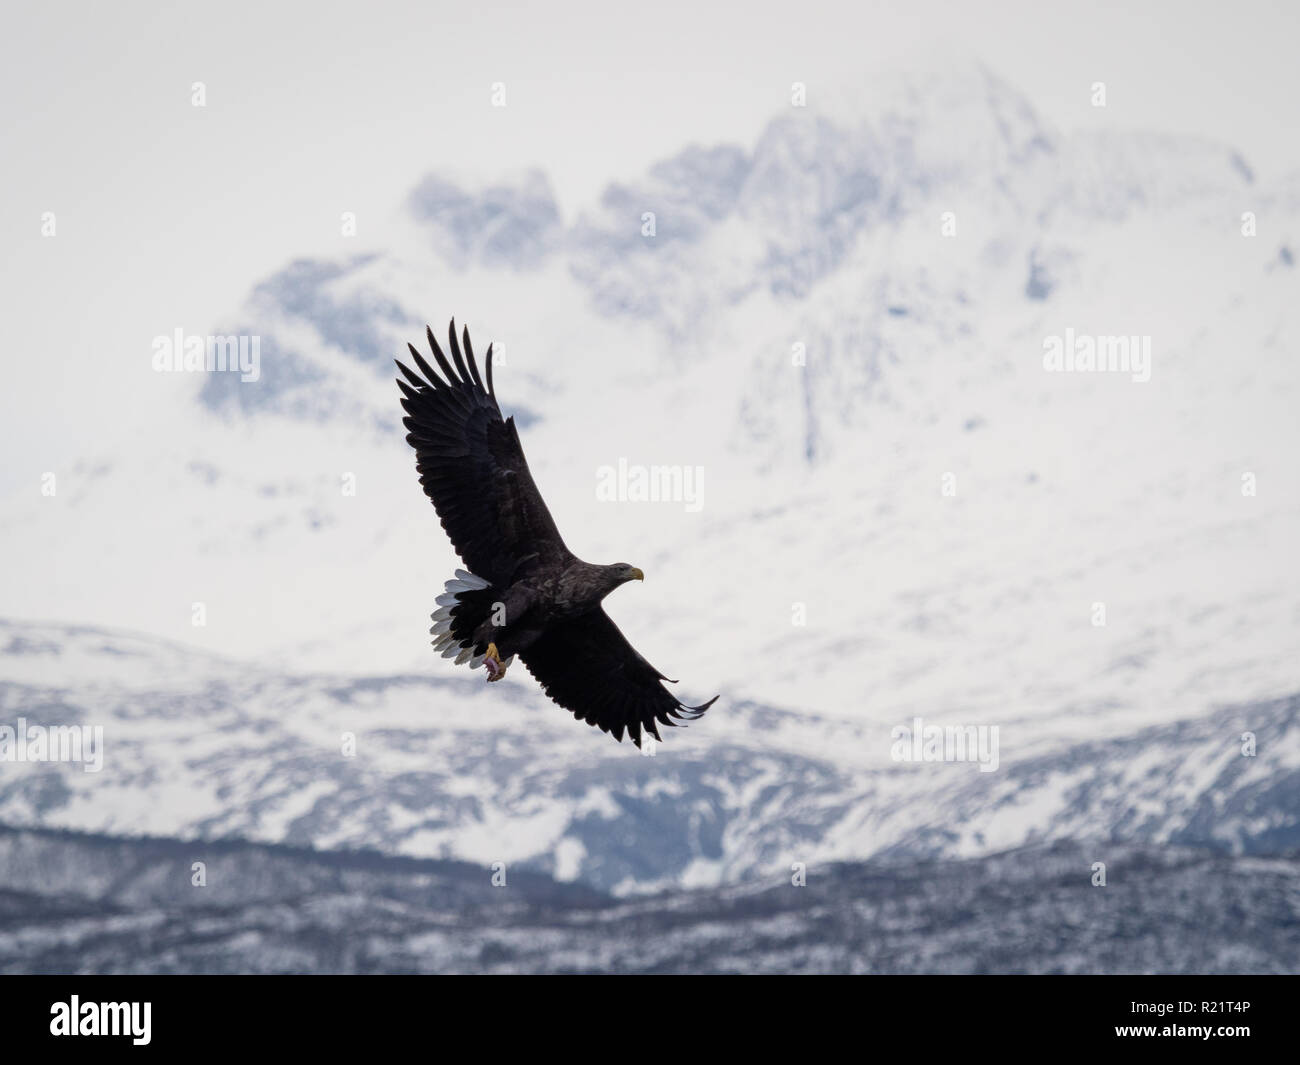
x: 525, y: 593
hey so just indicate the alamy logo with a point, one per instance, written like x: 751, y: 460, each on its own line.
x: 629, y: 483
x: 53, y: 743
x: 102, y: 1018
x: 1081, y: 353
x: 920, y: 742
x: 197, y: 354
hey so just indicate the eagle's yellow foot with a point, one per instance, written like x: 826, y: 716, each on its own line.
x: 492, y: 660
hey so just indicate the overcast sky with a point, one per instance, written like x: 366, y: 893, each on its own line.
x: 166, y: 213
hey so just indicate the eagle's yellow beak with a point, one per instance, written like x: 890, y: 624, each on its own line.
x: 637, y: 574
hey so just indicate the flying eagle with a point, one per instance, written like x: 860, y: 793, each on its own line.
x: 525, y: 594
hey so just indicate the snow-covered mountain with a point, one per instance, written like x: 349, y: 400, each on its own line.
x: 435, y: 768
x: 903, y: 514
x: 72, y: 903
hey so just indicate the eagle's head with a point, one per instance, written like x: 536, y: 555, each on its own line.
x: 621, y: 573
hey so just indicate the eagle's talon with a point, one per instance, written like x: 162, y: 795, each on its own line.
x: 492, y: 660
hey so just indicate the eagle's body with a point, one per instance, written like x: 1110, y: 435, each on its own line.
x: 525, y: 593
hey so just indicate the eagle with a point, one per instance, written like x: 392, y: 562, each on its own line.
x: 523, y: 592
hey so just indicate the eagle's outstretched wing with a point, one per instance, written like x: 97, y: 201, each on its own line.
x: 588, y: 667
x: 472, y: 466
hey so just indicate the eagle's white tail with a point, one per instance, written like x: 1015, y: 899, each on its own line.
x: 464, y: 604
